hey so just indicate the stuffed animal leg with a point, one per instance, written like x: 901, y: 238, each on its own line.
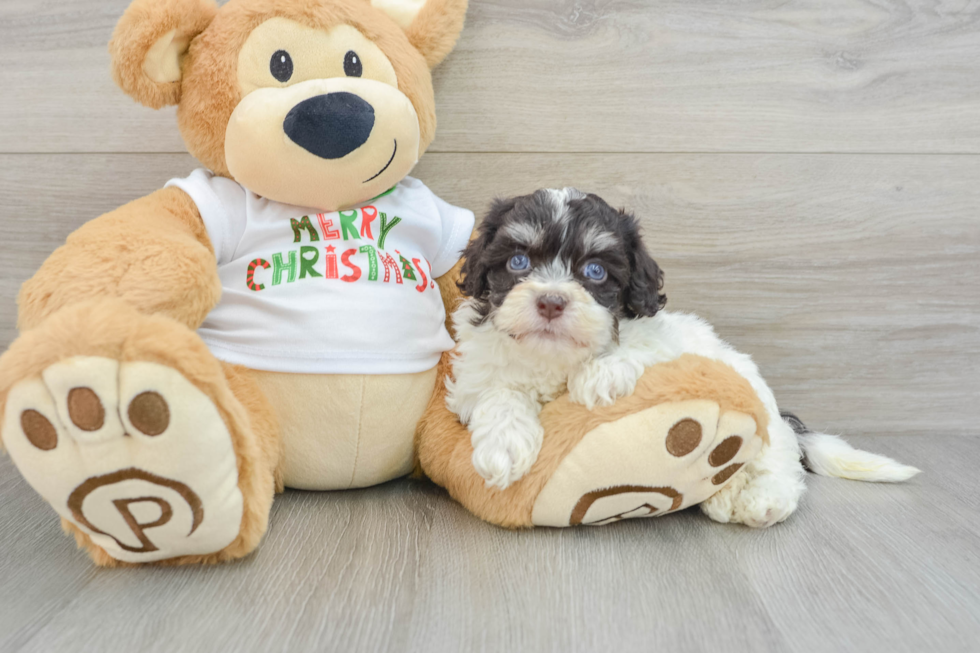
x: 682, y: 436
x: 114, y: 410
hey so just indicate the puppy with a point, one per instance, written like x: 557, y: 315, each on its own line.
x: 562, y: 295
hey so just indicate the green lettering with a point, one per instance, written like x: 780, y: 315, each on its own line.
x: 372, y: 261
x: 347, y: 224
x: 407, y: 270
x: 385, y: 228
x: 302, y: 223
x: 306, y: 264
x: 278, y: 267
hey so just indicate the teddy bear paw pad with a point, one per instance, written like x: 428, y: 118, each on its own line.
x: 132, y: 453
x: 649, y: 463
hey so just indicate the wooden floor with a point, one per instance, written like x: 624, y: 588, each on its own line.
x: 808, y: 175
x: 402, y: 568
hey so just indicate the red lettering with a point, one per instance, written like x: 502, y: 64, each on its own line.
x: 355, y: 272
x: 425, y: 281
x: 368, y: 215
x: 331, y: 262
x: 325, y: 227
x: 250, y: 275
x: 390, y: 264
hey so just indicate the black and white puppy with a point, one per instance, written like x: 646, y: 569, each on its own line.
x: 563, y: 295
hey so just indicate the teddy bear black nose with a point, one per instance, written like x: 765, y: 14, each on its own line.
x: 330, y: 126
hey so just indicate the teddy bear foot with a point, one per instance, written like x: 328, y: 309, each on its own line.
x: 649, y: 463
x: 687, y: 432
x: 137, y: 460
x: 131, y: 453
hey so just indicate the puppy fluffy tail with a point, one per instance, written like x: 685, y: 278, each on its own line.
x: 830, y: 455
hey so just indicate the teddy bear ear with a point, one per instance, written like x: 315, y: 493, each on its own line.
x: 432, y: 26
x: 149, y: 44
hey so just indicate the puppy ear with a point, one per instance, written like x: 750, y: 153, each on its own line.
x: 432, y: 26
x: 474, y: 272
x: 642, y: 295
x: 149, y: 43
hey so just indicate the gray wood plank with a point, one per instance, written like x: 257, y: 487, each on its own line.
x: 878, y: 546
x: 853, y: 280
x: 400, y: 567
x: 577, y: 76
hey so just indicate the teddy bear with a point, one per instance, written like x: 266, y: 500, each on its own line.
x: 678, y: 440
x: 279, y: 316
x: 185, y: 355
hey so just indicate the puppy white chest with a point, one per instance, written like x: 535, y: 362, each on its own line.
x: 543, y: 372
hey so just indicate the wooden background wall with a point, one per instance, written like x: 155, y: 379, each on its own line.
x: 807, y: 172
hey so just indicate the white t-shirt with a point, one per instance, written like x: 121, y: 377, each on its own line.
x: 349, y: 292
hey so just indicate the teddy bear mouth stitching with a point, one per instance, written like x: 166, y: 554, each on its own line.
x: 387, y: 165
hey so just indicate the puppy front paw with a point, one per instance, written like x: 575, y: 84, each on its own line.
x: 603, y: 380
x: 503, y: 455
x: 755, y: 501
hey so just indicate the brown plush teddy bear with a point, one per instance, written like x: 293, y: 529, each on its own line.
x: 278, y: 318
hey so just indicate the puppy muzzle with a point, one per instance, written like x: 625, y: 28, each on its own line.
x: 554, y: 312
x: 551, y: 307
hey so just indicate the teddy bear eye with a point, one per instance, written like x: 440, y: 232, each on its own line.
x: 352, y: 64
x: 281, y: 66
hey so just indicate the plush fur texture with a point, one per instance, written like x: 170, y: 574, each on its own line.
x: 140, y: 28
x: 345, y: 431
x: 116, y: 330
x: 436, y: 28
x: 563, y: 294
x: 154, y: 252
x: 210, y: 93
x: 446, y: 451
x: 378, y: 125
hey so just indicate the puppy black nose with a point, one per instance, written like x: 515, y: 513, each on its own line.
x: 551, y: 306
x: 330, y: 126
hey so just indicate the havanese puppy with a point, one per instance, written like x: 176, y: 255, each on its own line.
x: 563, y: 296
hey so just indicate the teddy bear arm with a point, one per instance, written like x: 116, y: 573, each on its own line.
x: 154, y: 253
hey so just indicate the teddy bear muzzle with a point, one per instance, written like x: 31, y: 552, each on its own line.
x: 323, y: 143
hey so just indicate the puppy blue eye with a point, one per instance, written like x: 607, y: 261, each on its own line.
x: 594, y: 271
x: 518, y: 263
